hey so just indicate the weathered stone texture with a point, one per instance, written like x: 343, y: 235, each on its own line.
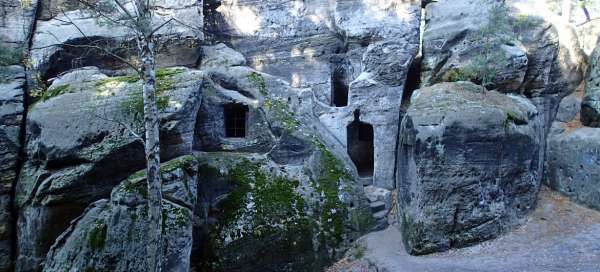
x: 468, y: 166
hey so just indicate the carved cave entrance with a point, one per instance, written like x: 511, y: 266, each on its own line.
x: 360, y: 146
x: 339, y: 88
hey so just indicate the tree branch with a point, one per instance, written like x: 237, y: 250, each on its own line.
x: 122, y: 124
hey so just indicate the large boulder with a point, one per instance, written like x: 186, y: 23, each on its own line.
x: 469, y: 165
x: 112, y: 234
x: 258, y: 215
x: 590, y: 107
x: 12, y: 83
x: 574, y: 165
x: 85, y: 124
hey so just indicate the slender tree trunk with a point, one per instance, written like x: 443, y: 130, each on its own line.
x: 147, y: 60
x: 151, y: 124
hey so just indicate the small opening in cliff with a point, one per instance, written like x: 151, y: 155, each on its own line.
x: 235, y: 120
x: 413, y: 82
x: 360, y: 145
x: 339, y: 87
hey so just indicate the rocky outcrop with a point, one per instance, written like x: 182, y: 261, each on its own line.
x: 590, y: 108
x: 282, y: 197
x: 569, y: 108
x: 574, y: 165
x: 16, y: 22
x: 469, y: 165
x: 68, y: 36
x: 17, y: 19
x: 11, y: 117
x: 87, y: 123
x: 503, y: 46
x: 111, y: 235
x: 354, y: 55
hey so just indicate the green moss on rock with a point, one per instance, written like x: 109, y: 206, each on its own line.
x: 282, y: 113
x: 262, y: 216
x: 97, y: 236
x: 56, y: 91
x: 259, y: 82
x: 134, y: 104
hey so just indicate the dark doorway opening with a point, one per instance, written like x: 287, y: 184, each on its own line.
x: 235, y: 120
x: 339, y: 87
x: 360, y: 146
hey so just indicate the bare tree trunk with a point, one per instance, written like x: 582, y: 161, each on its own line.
x: 147, y: 71
x: 151, y: 124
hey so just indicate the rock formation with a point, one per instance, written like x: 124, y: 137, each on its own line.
x: 289, y: 129
x: 469, y: 166
x: 590, y: 108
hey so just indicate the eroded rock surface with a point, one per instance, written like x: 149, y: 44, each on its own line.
x: 85, y: 126
x: 354, y: 55
x: 282, y: 198
x: 504, y: 46
x: 12, y: 83
x: 574, y: 165
x: 66, y: 28
x: 590, y: 108
x: 111, y: 235
x: 469, y: 166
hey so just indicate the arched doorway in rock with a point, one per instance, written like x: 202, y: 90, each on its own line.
x: 360, y: 145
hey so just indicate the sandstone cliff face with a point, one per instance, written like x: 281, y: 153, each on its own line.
x: 274, y: 114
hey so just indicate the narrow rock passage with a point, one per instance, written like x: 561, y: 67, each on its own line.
x: 558, y: 236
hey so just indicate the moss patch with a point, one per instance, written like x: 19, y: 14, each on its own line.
x: 282, y: 113
x: 97, y: 236
x: 56, y: 91
x: 263, y: 220
x: 136, y: 182
x: 134, y: 104
x: 259, y: 82
x: 10, y: 56
x: 333, y: 210
x: 514, y: 118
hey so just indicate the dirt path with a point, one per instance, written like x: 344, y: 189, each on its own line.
x: 558, y: 236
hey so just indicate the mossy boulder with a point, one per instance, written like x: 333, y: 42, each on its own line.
x: 85, y: 124
x: 112, y: 234
x: 258, y: 215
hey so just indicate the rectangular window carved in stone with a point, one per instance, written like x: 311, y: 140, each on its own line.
x: 235, y: 120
